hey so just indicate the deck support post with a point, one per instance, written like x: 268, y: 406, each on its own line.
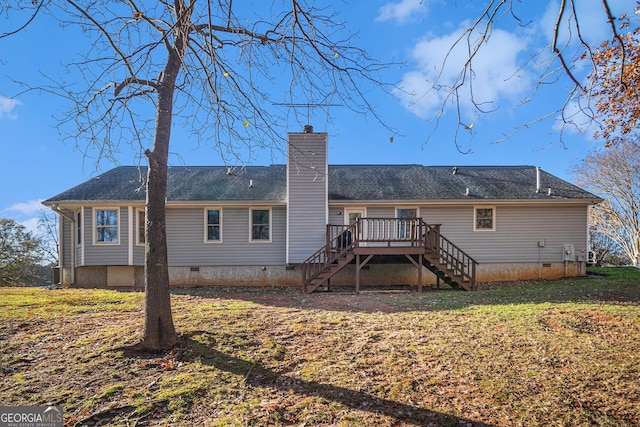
x: 357, y: 274
x: 359, y: 266
x: 418, y: 265
x: 420, y: 273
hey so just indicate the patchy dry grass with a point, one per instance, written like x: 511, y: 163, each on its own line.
x: 563, y: 353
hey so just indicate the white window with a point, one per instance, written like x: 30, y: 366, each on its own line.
x: 141, y: 219
x: 260, y: 225
x: 406, y: 212
x: 484, y: 218
x: 213, y: 225
x: 106, y: 225
x: 406, y: 229
x: 79, y: 227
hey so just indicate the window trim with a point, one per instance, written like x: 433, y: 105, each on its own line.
x: 79, y: 224
x: 206, y: 224
x: 349, y: 210
x: 95, y: 226
x: 251, y: 239
x: 401, y: 231
x: 416, y: 208
x: 475, y: 218
x: 137, y: 226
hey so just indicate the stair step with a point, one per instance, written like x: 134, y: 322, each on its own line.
x: 331, y: 269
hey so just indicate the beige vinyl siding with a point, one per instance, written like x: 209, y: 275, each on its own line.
x: 66, y: 242
x: 138, y: 255
x: 105, y: 254
x: 79, y: 242
x: 85, y: 228
x: 381, y: 212
x: 336, y: 216
x: 138, y: 249
x: 187, y: 247
x: 336, y: 213
x: 518, y: 231
x: 307, y: 194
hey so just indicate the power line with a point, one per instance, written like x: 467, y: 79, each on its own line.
x: 307, y: 106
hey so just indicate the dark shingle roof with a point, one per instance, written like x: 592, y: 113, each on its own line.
x: 346, y: 182
x: 416, y: 182
x: 185, y: 183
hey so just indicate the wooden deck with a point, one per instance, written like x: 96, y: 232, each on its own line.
x: 421, y: 243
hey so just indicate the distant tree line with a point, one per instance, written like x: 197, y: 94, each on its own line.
x: 26, y: 259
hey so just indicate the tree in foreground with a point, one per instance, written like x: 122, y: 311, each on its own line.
x: 215, y: 66
x: 614, y: 174
x: 21, y: 255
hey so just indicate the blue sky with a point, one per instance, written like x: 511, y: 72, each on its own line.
x: 36, y: 163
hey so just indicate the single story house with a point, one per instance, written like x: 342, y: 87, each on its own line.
x: 311, y: 224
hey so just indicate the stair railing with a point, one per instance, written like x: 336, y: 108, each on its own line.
x: 449, y: 254
x: 340, y: 240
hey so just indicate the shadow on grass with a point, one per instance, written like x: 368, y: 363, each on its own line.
x: 600, y: 289
x: 256, y: 375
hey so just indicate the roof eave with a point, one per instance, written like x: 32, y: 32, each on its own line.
x: 465, y: 201
x: 181, y: 203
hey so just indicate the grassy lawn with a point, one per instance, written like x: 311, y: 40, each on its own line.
x: 550, y: 353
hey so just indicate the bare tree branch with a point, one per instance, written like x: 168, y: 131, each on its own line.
x: 571, y: 44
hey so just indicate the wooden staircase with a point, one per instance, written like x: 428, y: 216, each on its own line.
x: 328, y: 260
x: 447, y: 261
x: 446, y: 274
x: 438, y: 254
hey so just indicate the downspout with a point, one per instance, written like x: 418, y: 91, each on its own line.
x: 56, y: 209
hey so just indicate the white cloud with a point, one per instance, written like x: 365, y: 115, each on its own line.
x: 403, y: 11
x: 496, y: 72
x: 31, y: 225
x: 25, y: 213
x: 575, y: 121
x: 27, y: 208
x: 6, y: 107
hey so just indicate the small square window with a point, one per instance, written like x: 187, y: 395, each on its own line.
x: 484, y: 219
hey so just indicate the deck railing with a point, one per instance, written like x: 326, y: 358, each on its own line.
x: 389, y: 232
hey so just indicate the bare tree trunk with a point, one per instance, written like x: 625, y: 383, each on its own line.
x: 225, y: 57
x: 159, y: 331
